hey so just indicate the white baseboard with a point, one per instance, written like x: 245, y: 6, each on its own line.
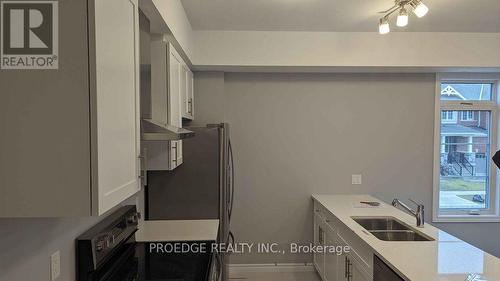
x: 280, y: 267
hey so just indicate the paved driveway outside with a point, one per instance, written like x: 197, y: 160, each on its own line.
x: 452, y: 199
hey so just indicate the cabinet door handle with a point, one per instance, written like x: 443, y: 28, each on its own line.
x: 345, y: 267
x: 320, y: 235
x: 349, y: 273
x: 174, y: 157
x: 144, y: 167
x: 190, y: 105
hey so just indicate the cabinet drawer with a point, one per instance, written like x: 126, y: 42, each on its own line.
x: 359, y: 249
x: 329, y: 219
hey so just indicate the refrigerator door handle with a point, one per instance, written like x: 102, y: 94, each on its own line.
x: 230, y: 238
x: 231, y: 181
x: 218, y: 267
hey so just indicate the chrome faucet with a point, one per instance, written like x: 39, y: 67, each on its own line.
x: 419, y: 213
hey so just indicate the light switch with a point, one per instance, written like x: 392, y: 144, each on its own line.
x: 356, y: 179
x: 55, y: 265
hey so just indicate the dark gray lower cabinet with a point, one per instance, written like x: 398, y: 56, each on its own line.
x: 382, y: 272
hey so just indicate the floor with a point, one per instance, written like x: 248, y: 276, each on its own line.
x: 275, y: 276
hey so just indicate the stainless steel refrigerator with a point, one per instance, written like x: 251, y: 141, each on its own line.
x: 201, y: 188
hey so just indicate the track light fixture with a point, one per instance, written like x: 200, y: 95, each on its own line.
x: 419, y: 9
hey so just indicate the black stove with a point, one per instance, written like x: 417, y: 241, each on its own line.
x: 109, y: 252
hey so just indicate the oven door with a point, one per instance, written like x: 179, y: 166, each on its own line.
x: 121, y: 268
x: 158, y: 262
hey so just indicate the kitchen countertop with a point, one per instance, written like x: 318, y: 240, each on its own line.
x: 177, y: 230
x: 445, y: 259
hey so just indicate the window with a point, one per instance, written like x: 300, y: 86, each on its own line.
x: 448, y: 116
x: 465, y: 177
x: 468, y: 115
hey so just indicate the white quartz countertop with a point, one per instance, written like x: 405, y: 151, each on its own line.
x: 445, y: 259
x: 177, y: 230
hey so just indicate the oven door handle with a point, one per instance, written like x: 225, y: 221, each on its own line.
x: 218, y: 269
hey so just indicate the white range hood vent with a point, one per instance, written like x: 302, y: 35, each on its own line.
x: 154, y: 131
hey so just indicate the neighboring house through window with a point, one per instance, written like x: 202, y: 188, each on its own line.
x: 465, y: 187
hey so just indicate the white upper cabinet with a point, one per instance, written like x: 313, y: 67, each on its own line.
x: 177, y: 81
x: 117, y: 103
x: 169, y: 76
x: 71, y: 145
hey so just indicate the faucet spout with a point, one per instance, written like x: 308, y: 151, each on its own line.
x: 418, y: 214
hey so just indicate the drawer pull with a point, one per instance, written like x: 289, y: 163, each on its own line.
x: 345, y: 268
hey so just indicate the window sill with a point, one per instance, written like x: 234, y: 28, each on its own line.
x: 467, y: 218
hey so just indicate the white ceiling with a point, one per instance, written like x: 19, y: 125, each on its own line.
x: 338, y: 15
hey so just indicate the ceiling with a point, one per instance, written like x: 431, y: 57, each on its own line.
x: 338, y: 15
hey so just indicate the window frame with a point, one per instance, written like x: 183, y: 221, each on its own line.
x: 492, y: 214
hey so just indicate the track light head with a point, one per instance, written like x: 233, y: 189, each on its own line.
x: 419, y: 8
x: 402, y: 20
x: 384, y: 26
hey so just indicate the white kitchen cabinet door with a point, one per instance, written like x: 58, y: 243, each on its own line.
x: 319, y: 240
x: 342, y: 267
x: 167, y: 83
x: 183, y: 90
x: 85, y: 117
x: 343, y: 263
x: 331, y: 259
x: 349, y: 269
x: 188, y: 94
x: 177, y: 84
x: 357, y: 273
x: 117, y: 102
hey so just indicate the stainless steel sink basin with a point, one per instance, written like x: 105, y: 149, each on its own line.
x: 390, y: 229
x: 400, y: 235
x: 381, y: 223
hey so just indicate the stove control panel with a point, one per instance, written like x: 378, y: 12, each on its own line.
x: 99, y: 243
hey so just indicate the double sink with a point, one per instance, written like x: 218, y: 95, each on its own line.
x: 390, y: 229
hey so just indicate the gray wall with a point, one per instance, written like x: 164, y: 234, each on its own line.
x: 209, y: 102
x: 299, y: 134
x: 26, y: 245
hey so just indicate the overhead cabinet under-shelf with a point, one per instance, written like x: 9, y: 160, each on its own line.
x: 171, y: 101
x: 70, y: 140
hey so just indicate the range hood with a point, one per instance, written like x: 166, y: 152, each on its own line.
x: 154, y: 131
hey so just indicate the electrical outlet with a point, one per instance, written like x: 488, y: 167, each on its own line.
x: 55, y: 265
x: 356, y: 179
